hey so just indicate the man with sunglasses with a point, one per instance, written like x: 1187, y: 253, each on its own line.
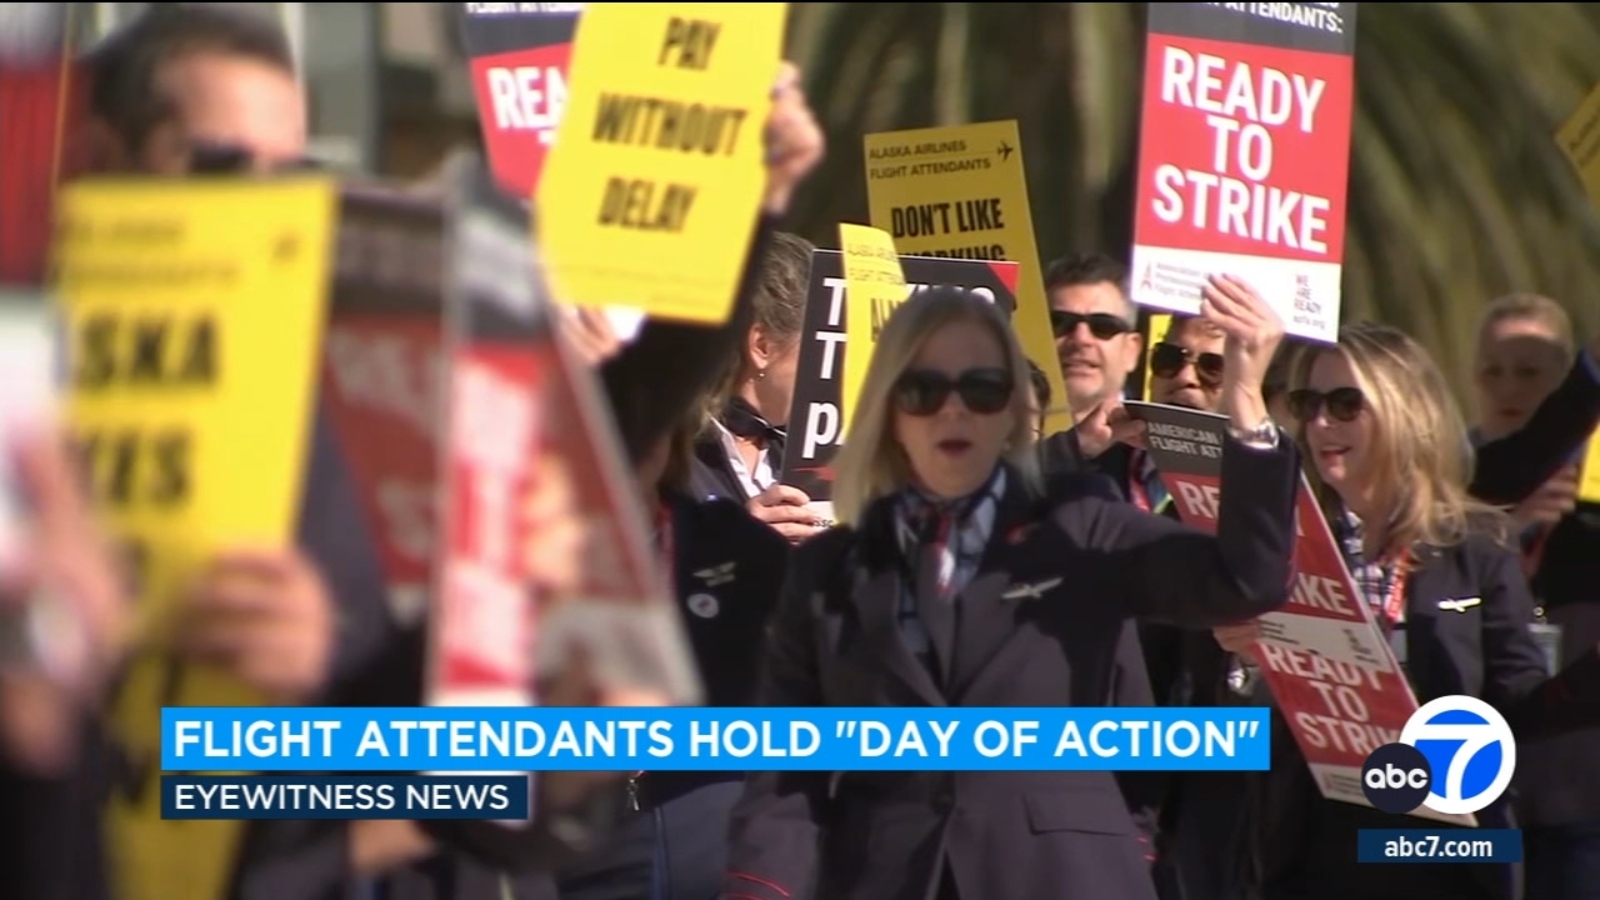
x: 1097, y: 342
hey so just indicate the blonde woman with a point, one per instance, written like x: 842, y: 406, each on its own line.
x: 955, y: 583
x: 1390, y: 459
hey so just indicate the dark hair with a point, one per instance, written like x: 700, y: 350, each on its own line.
x: 1082, y: 269
x: 1041, y: 384
x: 779, y: 308
x: 125, y: 70
x: 780, y: 301
x: 1085, y: 269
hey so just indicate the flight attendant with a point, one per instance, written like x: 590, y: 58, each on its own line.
x: 1390, y: 461
x: 956, y: 582
x: 670, y: 841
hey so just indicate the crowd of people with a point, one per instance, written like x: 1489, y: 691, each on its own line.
x: 946, y: 493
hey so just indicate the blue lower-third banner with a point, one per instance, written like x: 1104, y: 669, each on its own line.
x: 1439, y: 845
x: 834, y: 739
x: 494, y: 797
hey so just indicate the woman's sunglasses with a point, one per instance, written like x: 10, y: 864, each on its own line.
x: 921, y: 392
x: 1343, y: 404
x: 1167, y: 360
x: 1104, y: 326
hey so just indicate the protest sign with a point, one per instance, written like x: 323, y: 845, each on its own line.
x: 381, y: 378
x: 43, y: 94
x: 1589, y: 472
x: 516, y: 394
x: 816, y: 423
x: 1579, y: 140
x: 1331, y: 671
x: 520, y: 53
x: 193, y: 334
x: 872, y: 275
x: 1244, y: 154
x: 652, y: 191
x: 962, y: 192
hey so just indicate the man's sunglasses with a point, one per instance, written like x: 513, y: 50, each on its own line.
x: 225, y: 159
x: 1104, y: 326
x: 921, y: 392
x: 1167, y: 360
x: 1343, y: 404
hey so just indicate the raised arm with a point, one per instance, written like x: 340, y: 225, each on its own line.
x: 1513, y: 467
x: 1170, y: 572
x: 774, y: 831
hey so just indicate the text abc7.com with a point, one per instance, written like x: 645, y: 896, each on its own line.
x: 1456, y: 756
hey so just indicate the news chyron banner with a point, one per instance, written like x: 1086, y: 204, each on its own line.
x: 520, y: 407
x: 380, y: 378
x: 962, y: 193
x: 816, y: 417
x: 1244, y: 155
x: 1323, y: 655
x: 653, y: 189
x: 520, y: 53
x: 194, y: 335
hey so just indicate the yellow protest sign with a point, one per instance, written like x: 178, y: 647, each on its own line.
x: 1158, y: 327
x: 874, y: 285
x: 1579, y: 139
x: 195, y: 313
x: 1589, y: 475
x: 651, y: 193
x: 962, y: 192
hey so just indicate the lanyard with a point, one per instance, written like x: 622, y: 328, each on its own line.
x: 1140, y: 497
x: 1393, y: 591
x: 1533, y: 555
x: 666, y: 545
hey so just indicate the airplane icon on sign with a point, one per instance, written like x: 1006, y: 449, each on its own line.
x: 1004, y: 151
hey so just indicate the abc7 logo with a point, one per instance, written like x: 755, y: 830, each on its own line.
x: 1456, y: 756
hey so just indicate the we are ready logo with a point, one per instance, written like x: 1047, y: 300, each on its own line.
x: 1456, y: 756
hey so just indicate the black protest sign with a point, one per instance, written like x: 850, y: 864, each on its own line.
x: 815, y: 422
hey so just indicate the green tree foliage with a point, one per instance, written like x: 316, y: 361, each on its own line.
x: 1458, y: 192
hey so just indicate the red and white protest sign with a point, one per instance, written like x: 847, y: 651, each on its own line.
x: 520, y: 54
x: 1244, y: 156
x: 381, y: 379
x: 1323, y: 654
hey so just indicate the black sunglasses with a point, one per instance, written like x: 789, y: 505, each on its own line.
x: 1104, y: 326
x: 1343, y: 404
x: 1167, y: 360
x: 921, y: 392
x: 207, y: 158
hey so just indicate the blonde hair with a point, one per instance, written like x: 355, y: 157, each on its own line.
x: 1421, y: 458
x: 872, y: 464
x: 1534, y: 307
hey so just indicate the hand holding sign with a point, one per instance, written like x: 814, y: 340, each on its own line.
x: 1254, y: 332
x: 266, y: 616
x: 1551, y: 502
x: 1238, y: 638
x: 786, y: 509
x: 1109, y: 424
x: 794, y: 141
